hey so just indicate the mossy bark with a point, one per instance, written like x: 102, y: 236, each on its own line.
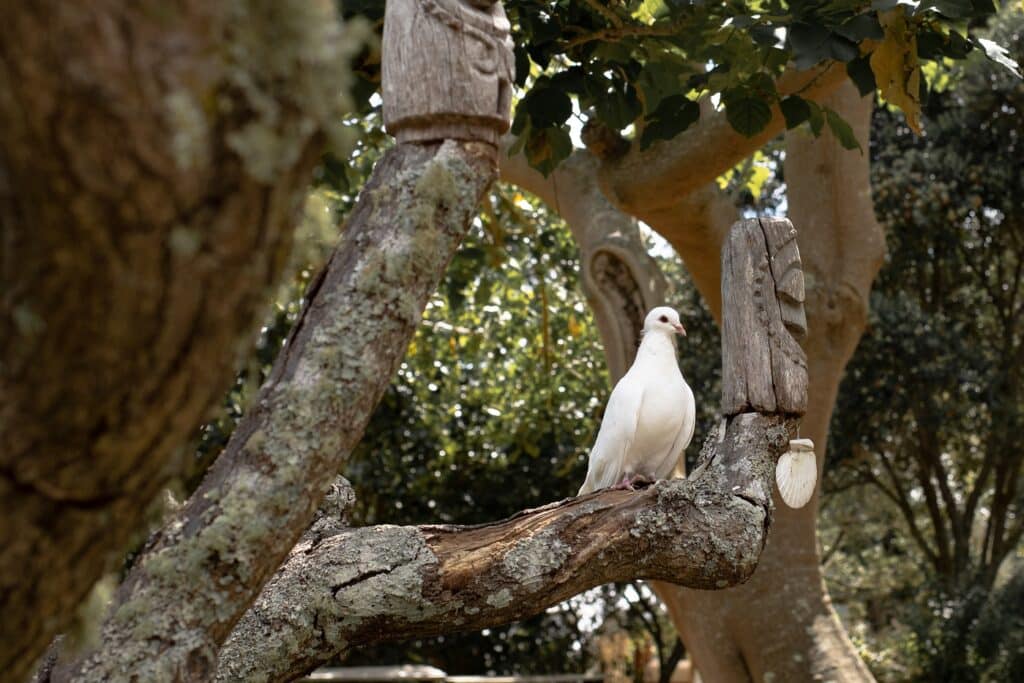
x: 199, y: 574
x: 360, y: 586
x: 154, y: 157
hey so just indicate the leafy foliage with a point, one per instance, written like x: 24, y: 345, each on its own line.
x: 639, y: 66
x: 621, y: 62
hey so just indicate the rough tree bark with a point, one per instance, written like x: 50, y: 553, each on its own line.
x: 200, y: 573
x: 149, y: 153
x: 780, y: 625
x: 379, y: 583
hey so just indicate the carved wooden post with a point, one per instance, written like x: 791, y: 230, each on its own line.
x: 764, y: 368
x: 447, y: 70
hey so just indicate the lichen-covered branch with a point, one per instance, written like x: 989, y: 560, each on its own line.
x: 380, y: 583
x: 154, y: 158
x: 206, y: 565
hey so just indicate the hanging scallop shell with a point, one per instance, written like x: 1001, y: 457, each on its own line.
x: 797, y: 473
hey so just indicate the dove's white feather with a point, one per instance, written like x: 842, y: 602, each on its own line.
x: 797, y: 473
x: 650, y: 416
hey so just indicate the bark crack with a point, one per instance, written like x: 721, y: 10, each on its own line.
x: 359, y: 578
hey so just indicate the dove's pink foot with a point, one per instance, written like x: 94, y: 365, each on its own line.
x: 629, y: 483
x: 625, y: 485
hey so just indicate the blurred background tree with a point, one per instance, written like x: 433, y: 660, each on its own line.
x: 925, y: 506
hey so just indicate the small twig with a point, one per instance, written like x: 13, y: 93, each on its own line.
x: 618, y: 33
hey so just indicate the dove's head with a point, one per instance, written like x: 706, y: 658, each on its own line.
x: 663, y: 319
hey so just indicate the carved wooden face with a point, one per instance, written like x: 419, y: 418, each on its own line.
x: 447, y: 69
x: 763, y: 319
x: 789, y: 279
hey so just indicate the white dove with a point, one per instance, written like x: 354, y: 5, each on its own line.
x: 650, y: 415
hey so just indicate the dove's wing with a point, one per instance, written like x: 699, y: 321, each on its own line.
x: 615, y: 436
x: 685, y: 434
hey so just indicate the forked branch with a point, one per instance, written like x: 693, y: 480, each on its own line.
x: 379, y: 583
x: 366, y: 585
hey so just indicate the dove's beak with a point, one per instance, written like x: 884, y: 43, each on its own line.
x: 680, y: 330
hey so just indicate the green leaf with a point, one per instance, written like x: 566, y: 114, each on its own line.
x: 859, y: 71
x: 547, y: 106
x: 861, y: 27
x: 816, y: 119
x: 763, y: 35
x: 841, y: 129
x: 998, y: 54
x: 930, y: 45
x: 674, y: 115
x: 795, y: 109
x: 572, y: 80
x: 761, y: 85
x: 954, y: 9
x: 546, y: 147
x: 668, y: 107
x: 520, y: 142
x: 522, y: 65
x: 958, y: 46
x: 841, y: 49
x: 520, y: 121
x: 657, y: 81
x: 618, y: 108
x: 810, y: 44
x: 747, y: 115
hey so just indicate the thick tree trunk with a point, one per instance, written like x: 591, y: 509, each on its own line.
x: 780, y: 625
x: 201, y: 572
x: 153, y: 160
x: 842, y: 247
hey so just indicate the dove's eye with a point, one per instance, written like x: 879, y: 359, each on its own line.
x: 663, y: 318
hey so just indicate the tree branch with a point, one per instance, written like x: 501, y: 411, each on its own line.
x: 620, y: 31
x: 657, y: 177
x: 385, y: 582
x: 668, y: 667
x: 605, y: 11
x: 209, y: 562
x: 899, y: 496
